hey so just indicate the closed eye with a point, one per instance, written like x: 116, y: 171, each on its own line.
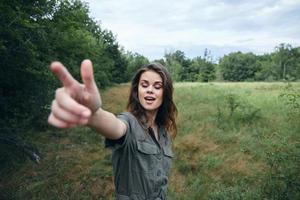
x: 158, y: 85
x: 144, y: 85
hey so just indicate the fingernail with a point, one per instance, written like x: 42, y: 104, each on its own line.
x: 86, y: 113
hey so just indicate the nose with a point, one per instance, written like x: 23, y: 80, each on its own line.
x: 150, y: 90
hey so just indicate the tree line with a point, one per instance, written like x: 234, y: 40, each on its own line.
x: 281, y: 65
x: 35, y: 32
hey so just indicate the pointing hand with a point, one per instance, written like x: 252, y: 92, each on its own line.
x: 74, y: 103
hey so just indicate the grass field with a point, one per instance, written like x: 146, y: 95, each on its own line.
x: 235, y: 141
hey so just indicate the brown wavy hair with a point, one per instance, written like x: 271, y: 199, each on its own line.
x: 167, y: 112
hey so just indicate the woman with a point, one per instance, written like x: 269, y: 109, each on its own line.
x: 140, y: 138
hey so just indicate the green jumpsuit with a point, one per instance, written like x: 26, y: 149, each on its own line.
x: 141, y: 164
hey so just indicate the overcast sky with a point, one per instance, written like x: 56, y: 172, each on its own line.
x: 153, y: 27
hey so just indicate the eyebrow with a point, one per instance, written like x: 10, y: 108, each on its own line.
x: 156, y: 82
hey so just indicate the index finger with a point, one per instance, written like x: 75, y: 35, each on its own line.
x: 62, y: 74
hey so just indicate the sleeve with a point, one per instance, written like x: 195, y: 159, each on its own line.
x: 121, y: 142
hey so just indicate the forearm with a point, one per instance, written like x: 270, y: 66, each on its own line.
x: 107, y: 124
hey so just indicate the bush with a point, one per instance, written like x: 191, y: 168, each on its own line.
x: 283, y: 179
x: 291, y: 99
x: 235, y: 111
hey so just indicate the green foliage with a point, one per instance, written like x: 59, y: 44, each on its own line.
x: 267, y: 71
x: 135, y: 61
x: 21, y: 79
x: 240, y: 191
x: 73, y: 166
x: 34, y: 33
x: 283, y: 178
x: 236, y: 110
x: 184, y: 69
x: 202, y: 70
x: 175, y: 69
x: 257, y: 158
x: 239, y: 67
x: 285, y: 59
x: 290, y: 97
x: 283, y: 64
x: 175, y: 63
x: 75, y: 36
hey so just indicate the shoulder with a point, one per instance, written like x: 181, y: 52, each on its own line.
x: 133, y: 130
x: 126, y: 116
x: 130, y: 120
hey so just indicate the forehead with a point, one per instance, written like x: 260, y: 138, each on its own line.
x: 150, y: 76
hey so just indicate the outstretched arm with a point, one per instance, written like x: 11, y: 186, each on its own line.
x: 80, y: 104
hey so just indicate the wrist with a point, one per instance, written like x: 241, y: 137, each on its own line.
x: 93, y: 118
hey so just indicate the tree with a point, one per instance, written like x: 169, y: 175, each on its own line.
x: 202, y: 70
x: 285, y: 61
x: 75, y: 36
x: 135, y: 61
x: 267, y: 70
x: 161, y: 61
x: 239, y: 66
x: 23, y: 80
x: 295, y: 70
x: 174, y: 67
x: 178, y: 65
x: 32, y: 34
x: 24, y: 76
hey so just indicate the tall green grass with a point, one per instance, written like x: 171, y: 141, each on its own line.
x: 234, y: 141
x: 237, y: 141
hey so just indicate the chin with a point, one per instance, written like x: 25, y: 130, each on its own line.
x: 150, y: 108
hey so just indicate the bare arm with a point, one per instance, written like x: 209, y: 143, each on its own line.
x: 107, y: 124
x: 80, y: 104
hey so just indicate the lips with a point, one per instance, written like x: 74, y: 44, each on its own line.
x: 149, y: 99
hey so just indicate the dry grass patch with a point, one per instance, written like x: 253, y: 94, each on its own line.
x: 115, y: 99
x: 209, y: 146
x: 177, y: 181
x: 188, y: 143
x: 237, y: 165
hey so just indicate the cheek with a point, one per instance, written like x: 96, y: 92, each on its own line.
x: 161, y: 95
x: 140, y: 93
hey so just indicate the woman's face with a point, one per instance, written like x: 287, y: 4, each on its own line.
x: 150, y: 90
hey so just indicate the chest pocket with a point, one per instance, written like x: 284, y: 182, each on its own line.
x: 146, y: 156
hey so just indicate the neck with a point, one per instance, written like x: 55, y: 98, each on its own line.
x: 151, y: 115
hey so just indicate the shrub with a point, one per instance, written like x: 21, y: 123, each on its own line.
x: 235, y: 111
x: 283, y: 179
x: 291, y: 99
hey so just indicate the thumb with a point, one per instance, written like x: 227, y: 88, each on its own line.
x: 87, y: 75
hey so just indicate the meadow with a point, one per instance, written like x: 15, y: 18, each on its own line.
x: 234, y: 141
